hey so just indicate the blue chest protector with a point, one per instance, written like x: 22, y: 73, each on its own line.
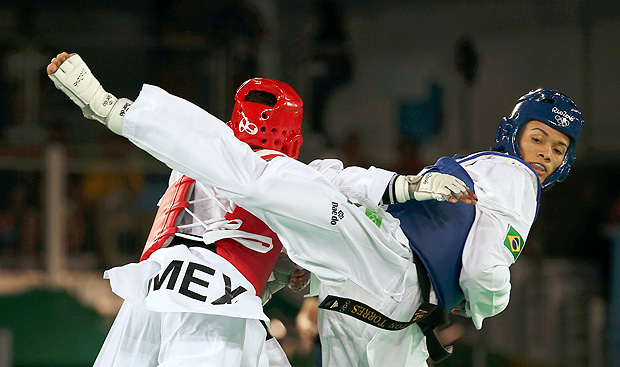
x: 437, y: 232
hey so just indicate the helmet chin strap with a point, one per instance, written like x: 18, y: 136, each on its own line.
x: 546, y: 188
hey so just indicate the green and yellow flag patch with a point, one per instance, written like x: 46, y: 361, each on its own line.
x: 513, y: 241
x: 376, y: 218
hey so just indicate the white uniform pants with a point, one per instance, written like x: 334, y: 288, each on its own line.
x: 142, y: 338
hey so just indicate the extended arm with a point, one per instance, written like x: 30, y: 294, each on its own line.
x: 71, y: 75
x: 379, y: 185
x: 294, y: 200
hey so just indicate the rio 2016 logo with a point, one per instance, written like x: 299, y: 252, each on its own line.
x: 246, y: 126
x: 562, y: 117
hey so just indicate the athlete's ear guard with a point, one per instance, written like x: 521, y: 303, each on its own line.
x: 292, y: 149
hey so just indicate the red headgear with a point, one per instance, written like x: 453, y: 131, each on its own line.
x: 267, y: 114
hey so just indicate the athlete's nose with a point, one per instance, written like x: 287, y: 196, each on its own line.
x: 545, y: 153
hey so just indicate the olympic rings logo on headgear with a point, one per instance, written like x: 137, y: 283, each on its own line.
x: 562, y: 121
x: 246, y: 126
x: 562, y: 117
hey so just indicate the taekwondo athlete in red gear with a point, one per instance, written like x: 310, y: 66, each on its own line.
x: 207, y: 261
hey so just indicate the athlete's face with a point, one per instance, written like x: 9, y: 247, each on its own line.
x: 542, y: 147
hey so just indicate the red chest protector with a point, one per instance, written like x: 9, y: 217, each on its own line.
x: 256, y: 266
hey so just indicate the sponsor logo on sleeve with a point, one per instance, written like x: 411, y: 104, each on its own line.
x: 337, y: 214
x: 374, y: 217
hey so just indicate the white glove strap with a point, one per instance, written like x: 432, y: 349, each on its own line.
x: 438, y: 186
x: 100, y: 105
x: 114, y: 121
x: 404, y: 186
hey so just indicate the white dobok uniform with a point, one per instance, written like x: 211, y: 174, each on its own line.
x: 328, y: 223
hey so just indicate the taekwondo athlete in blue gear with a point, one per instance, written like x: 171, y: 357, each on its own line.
x: 438, y: 233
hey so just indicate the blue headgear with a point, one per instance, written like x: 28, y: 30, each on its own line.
x: 550, y: 107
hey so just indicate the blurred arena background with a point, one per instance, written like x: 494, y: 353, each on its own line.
x: 392, y: 83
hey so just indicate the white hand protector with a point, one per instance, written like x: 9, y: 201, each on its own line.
x: 281, y: 276
x: 271, y: 288
x: 432, y: 185
x: 75, y: 79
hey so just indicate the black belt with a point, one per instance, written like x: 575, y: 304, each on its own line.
x: 428, y: 316
x: 177, y: 240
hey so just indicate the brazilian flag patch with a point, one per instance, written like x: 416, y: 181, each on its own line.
x: 374, y: 217
x: 513, y: 241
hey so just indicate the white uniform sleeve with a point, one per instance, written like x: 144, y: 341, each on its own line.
x: 160, y: 138
x: 297, y: 202
x: 370, y: 183
x: 155, y: 137
x: 507, y: 202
